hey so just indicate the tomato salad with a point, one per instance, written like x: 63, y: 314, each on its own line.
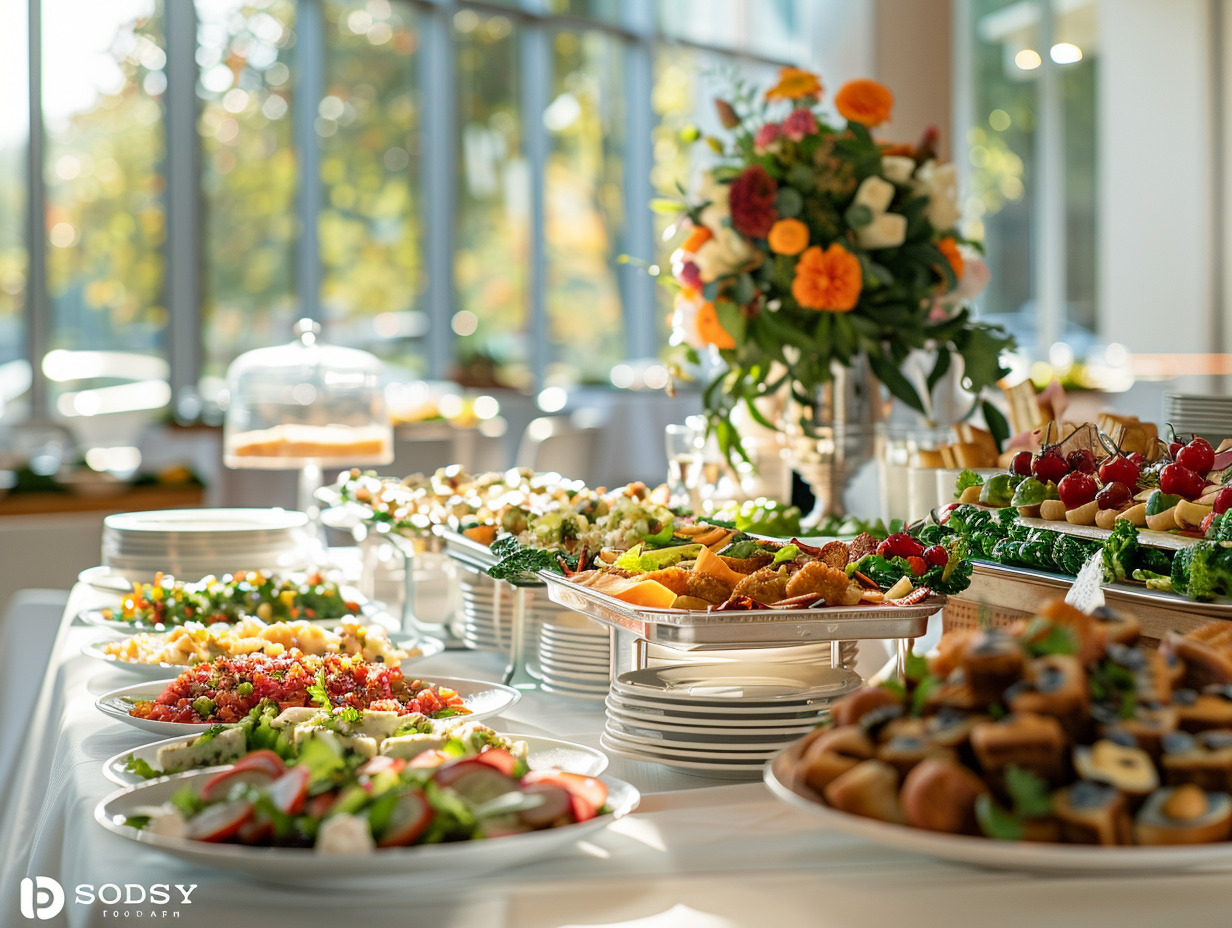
x: 227, y: 688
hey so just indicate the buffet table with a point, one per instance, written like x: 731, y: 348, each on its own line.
x: 698, y: 853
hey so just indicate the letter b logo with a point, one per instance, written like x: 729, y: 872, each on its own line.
x: 41, y: 897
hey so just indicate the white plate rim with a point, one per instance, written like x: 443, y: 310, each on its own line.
x: 1035, y: 857
x: 297, y: 865
x: 703, y: 726
x: 162, y: 521
x: 656, y: 681
x: 750, y: 771
x: 687, y: 752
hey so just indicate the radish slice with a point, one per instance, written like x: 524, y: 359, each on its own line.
x: 591, y: 791
x: 290, y: 790
x: 557, y: 805
x: 381, y: 763
x: 499, y: 758
x: 409, y: 819
x: 219, y: 821
x: 220, y: 784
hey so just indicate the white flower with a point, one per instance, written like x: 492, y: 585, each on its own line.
x: 876, y: 194
x: 726, y: 252
x: 898, y: 168
x: 939, y: 182
x: 887, y: 230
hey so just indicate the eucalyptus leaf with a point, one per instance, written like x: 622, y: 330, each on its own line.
x: 888, y: 373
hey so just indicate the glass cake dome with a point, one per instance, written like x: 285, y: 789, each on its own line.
x: 306, y: 404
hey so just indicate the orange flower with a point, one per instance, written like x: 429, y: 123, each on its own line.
x: 948, y: 247
x: 864, y: 101
x: 795, y: 83
x: 709, y: 328
x: 696, y: 239
x: 830, y: 279
x: 788, y: 237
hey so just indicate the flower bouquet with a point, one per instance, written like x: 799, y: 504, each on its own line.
x: 813, y: 245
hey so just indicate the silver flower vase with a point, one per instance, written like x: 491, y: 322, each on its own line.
x: 840, y: 439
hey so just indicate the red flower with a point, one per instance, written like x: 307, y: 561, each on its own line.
x: 752, y: 202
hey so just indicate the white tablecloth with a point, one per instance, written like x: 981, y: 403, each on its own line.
x: 697, y: 853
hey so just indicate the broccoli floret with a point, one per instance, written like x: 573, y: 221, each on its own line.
x: 1154, y: 581
x: 1120, y: 551
x: 1210, y: 571
x: 1180, y: 570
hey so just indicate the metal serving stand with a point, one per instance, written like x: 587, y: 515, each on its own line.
x: 471, y: 555
x: 633, y: 628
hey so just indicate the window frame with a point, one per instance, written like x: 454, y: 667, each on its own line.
x: 640, y: 34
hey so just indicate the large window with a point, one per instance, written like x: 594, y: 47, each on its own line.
x: 451, y: 186
x: 1032, y: 150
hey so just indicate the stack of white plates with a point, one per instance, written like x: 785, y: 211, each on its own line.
x: 718, y: 720
x: 574, y: 656
x: 816, y: 653
x: 192, y: 543
x: 482, y: 627
x: 1198, y: 414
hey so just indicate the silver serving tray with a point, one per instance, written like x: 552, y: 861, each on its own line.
x: 1125, y: 592
x: 685, y: 629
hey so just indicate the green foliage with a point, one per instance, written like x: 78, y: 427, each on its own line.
x: 1120, y: 551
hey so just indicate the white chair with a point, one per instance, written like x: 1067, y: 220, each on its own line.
x: 564, y: 444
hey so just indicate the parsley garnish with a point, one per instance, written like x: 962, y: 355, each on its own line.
x: 320, y: 697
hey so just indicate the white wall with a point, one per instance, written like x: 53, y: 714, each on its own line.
x: 1156, y: 209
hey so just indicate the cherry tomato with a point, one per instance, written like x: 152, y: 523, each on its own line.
x: 1081, y: 460
x: 900, y: 544
x: 1137, y: 458
x: 1174, y: 449
x: 1179, y: 480
x: 917, y: 565
x: 936, y: 556
x: 1223, y: 501
x: 1115, y: 495
x: 1021, y: 465
x: 1077, y: 489
x: 1120, y: 468
x: 1049, y: 465
x: 1198, y: 456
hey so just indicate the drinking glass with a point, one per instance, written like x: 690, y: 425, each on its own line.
x: 684, y: 462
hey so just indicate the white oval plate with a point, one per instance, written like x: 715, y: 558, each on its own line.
x: 484, y: 699
x: 304, y: 867
x: 753, y: 739
x: 712, y: 714
x: 716, y: 752
x: 161, y: 671
x: 739, y: 683
x: 369, y: 611
x: 207, y: 520
x: 541, y: 754
x: 573, y: 691
x: 1001, y: 855
x: 800, y: 727
x: 749, y: 771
